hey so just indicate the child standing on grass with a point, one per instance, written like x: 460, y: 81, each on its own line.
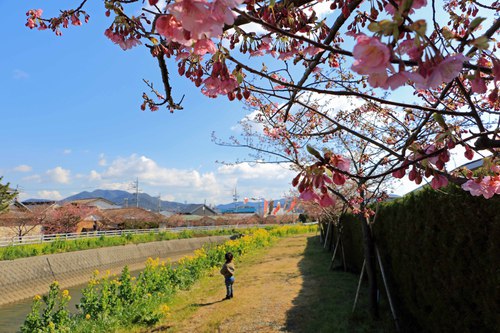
x: 228, y: 271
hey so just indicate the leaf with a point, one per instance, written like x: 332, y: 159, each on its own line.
x: 374, y: 27
x: 481, y: 43
x: 314, y: 152
x: 440, y: 120
x: 475, y: 23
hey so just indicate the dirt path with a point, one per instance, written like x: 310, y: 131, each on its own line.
x: 264, y: 291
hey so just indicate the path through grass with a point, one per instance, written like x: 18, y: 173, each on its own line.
x: 286, y: 288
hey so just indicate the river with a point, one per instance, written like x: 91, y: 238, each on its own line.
x: 12, y: 315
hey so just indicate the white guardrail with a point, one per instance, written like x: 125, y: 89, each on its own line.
x: 37, y: 239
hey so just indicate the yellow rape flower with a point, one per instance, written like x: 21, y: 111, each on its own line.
x: 37, y: 298
x: 87, y: 316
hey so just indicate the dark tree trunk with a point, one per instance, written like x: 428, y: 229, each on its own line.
x: 369, y: 254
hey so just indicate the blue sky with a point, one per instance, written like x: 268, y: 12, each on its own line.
x: 71, y: 120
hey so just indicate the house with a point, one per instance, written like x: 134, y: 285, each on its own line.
x: 18, y: 221
x: 179, y: 220
x: 99, y: 203
x: 131, y: 218
x: 197, y: 209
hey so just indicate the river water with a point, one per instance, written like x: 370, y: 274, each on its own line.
x: 12, y: 315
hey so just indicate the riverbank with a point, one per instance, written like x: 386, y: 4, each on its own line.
x: 26, y: 277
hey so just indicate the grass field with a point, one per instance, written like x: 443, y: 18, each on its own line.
x: 287, y: 288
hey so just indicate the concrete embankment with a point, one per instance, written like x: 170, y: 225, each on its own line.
x: 26, y: 277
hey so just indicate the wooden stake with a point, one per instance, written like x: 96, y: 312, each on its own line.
x: 326, y: 235
x: 334, y: 253
x: 343, y: 255
x: 359, y: 286
x: 387, y: 289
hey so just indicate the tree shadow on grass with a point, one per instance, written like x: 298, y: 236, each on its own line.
x: 325, y: 301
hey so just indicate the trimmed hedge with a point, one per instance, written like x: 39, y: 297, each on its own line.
x: 441, y: 253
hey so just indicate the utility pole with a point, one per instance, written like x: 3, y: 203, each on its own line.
x: 159, y: 202
x: 135, y: 186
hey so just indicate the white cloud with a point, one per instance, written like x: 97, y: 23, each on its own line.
x: 67, y: 151
x: 52, y: 195
x: 59, y: 175
x: 23, y: 168
x: 94, y: 175
x: 18, y: 74
x: 102, y: 160
x: 151, y: 173
x: 265, y: 171
x: 322, y: 9
x: 195, y: 186
x: 250, y: 122
x: 32, y: 179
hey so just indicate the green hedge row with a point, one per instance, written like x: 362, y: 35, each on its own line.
x: 441, y: 252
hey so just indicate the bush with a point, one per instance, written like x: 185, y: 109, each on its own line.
x: 440, y: 251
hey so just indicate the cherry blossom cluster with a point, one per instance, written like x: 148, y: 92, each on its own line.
x: 66, y: 18
x: 313, y: 182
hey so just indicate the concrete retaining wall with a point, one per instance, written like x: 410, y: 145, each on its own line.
x: 26, y: 277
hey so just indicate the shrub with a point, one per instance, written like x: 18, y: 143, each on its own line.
x: 440, y: 251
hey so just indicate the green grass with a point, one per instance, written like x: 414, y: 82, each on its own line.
x: 62, y: 245
x: 326, y: 299
x: 324, y: 303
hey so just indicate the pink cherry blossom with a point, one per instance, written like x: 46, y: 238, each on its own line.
x: 439, y: 181
x: 469, y: 153
x: 286, y: 55
x: 378, y: 80
x: 478, y: 85
x: 311, y: 51
x: 221, y: 10
x: 308, y: 195
x: 338, y: 179
x: 204, y: 46
x: 30, y: 23
x: 446, y: 70
x: 487, y: 186
x: 340, y: 162
x: 397, y: 80
x: 216, y: 86
x: 433, y: 73
x: 409, y: 47
x: 371, y: 55
x: 429, y: 150
x: 326, y: 200
x: 168, y: 26
x: 75, y: 20
x: 400, y: 173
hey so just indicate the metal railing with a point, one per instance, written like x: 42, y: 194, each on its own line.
x: 37, y: 239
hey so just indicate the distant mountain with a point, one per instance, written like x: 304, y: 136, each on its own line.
x: 123, y: 198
